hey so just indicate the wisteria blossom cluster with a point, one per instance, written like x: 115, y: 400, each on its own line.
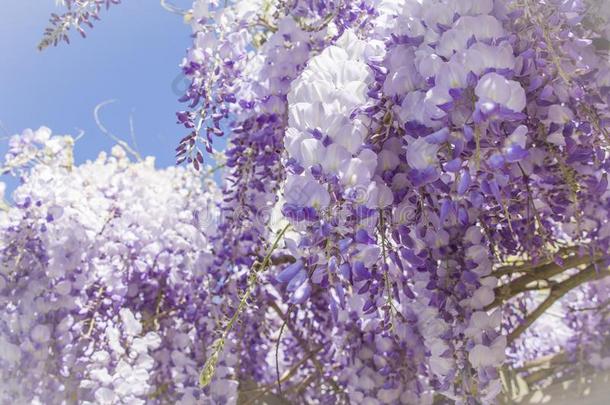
x: 415, y: 194
x: 101, y: 300
x: 79, y: 16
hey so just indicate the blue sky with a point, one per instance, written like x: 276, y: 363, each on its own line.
x: 132, y: 55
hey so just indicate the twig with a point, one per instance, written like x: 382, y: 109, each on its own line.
x: 97, y: 305
x: 526, y: 267
x: 277, y: 349
x: 545, y: 366
x: 305, y: 347
x: 386, y: 275
x: 81, y: 134
x: 210, y: 366
x: 557, y: 291
x: 98, y: 122
x: 543, y: 361
x: 173, y: 9
x: 544, y: 272
x: 287, y: 375
x: 280, y: 259
x: 132, y: 132
x: 595, y: 308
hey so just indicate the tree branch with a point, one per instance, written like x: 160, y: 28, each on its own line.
x: 558, y: 291
x: 305, y: 347
x: 172, y: 9
x: 556, y: 358
x: 525, y: 267
x: 543, y: 272
x: 265, y: 389
x: 280, y: 259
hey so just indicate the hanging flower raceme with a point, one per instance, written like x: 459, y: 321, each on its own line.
x: 80, y: 15
x: 102, y: 279
x: 409, y: 186
x: 450, y: 138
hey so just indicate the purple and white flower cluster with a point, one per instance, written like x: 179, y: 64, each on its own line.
x: 80, y: 14
x: 411, y: 190
x: 101, y: 300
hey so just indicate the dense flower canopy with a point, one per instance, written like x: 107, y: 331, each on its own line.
x: 101, y: 298
x: 411, y: 188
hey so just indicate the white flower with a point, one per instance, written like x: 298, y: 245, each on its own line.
x: 41, y: 334
x: 560, y: 114
x: 349, y: 134
x: 334, y: 83
x: 472, y: 7
x: 334, y: 158
x: 104, y: 396
x: 359, y: 170
x: 312, y: 151
x: 482, y: 27
x: 427, y: 61
x: 437, y: 95
x: 131, y: 325
x: 306, y: 116
x: 488, y: 356
x: 480, y: 57
x: 421, y: 154
x: 437, y: 13
x: 305, y: 191
x: 518, y: 137
x: 440, y: 365
x: 387, y: 160
x: 453, y: 40
x: 401, y: 81
x: 414, y: 108
x: 497, y: 89
x: 378, y: 195
x: 481, y: 321
x: 452, y: 75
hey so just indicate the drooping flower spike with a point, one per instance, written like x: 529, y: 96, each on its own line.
x: 437, y: 172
